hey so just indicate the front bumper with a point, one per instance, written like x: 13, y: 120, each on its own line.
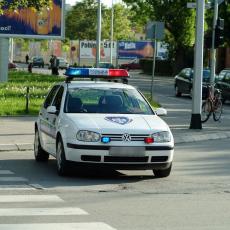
x: 153, y: 157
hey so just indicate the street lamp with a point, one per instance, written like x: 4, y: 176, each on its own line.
x: 98, y: 45
x: 111, y: 35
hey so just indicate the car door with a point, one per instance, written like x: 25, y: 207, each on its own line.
x: 183, y: 80
x: 53, y: 120
x: 226, y: 86
x: 188, y: 76
x: 44, y: 117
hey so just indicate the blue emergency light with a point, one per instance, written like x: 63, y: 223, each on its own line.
x: 95, y: 73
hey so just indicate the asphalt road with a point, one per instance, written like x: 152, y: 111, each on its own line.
x: 194, y: 196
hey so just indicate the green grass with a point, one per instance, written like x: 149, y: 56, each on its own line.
x: 13, y: 93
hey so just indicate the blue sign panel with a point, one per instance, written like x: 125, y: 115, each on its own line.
x: 133, y: 50
x: 27, y: 22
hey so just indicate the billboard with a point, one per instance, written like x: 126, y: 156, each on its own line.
x: 134, y: 50
x: 47, y: 23
x: 88, y: 49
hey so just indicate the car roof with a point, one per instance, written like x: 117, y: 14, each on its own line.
x: 97, y: 84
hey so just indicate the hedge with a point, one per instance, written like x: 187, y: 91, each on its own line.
x: 162, y: 67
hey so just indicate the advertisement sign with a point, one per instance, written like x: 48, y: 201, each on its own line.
x: 74, y: 51
x: 134, y: 50
x: 47, y: 23
x: 88, y: 49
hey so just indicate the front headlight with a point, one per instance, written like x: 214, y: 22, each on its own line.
x: 161, y: 137
x: 88, y: 136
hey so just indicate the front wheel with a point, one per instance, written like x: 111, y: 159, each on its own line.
x: 159, y: 173
x: 40, y: 154
x: 217, y: 111
x: 206, y: 110
x: 62, y: 163
x: 177, y: 92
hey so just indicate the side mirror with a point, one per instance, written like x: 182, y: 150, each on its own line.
x: 161, y: 111
x: 52, y: 109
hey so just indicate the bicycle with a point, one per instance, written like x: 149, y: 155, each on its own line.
x: 212, y: 105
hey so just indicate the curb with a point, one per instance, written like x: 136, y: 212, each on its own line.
x: 16, y: 147
x: 200, y: 137
x: 178, y: 139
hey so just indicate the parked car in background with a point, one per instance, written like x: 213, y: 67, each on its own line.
x: 223, y: 83
x: 131, y: 65
x: 63, y: 64
x: 184, y: 82
x: 12, y: 66
x: 106, y: 65
x: 37, y: 61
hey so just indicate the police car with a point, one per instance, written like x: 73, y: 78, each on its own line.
x: 103, y: 123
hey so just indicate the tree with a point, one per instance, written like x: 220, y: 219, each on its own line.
x: 15, y: 4
x: 81, y: 21
x: 179, y: 25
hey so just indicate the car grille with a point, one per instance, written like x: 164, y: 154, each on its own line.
x: 134, y: 137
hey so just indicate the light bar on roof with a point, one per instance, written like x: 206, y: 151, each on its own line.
x: 96, y: 73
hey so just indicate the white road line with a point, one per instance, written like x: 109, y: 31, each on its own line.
x: 59, y: 226
x: 6, y: 172
x: 62, y: 211
x: 13, y: 179
x: 29, y: 198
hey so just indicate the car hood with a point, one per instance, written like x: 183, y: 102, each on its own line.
x: 114, y: 123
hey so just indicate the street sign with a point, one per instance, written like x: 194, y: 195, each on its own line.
x: 192, y: 5
x: 155, y: 30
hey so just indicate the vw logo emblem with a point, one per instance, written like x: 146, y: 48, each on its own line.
x: 126, y: 137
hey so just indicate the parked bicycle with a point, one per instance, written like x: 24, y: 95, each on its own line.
x: 212, y: 105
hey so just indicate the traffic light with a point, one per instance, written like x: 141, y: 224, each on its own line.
x: 219, y: 32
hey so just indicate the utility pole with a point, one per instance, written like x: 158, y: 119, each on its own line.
x: 111, y: 35
x: 213, y: 49
x: 4, y: 58
x: 98, y: 44
x: 198, y: 67
x: 154, y: 60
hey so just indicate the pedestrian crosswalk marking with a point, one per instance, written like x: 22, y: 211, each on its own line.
x: 62, y: 211
x: 29, y: 198
x: 5, y: 172
x: 59, y: 226
x: 14, y: 187
x: 13, y: 179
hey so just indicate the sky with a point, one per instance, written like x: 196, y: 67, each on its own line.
x: 106, y: 2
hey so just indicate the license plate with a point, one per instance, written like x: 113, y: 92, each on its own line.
x: 127, y: 151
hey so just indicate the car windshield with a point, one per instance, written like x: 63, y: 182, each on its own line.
x: 109, y: 100
x: 206, y: 75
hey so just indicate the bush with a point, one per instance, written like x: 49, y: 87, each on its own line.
x: 162, y: 67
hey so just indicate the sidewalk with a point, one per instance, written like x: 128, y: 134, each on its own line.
x: 17, y: 133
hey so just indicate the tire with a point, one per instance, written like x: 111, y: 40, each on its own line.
x: 62, y: 163
x: 177, y: 92
x: 160, y: 173
x: 190, y: 93
x: 217, y: 110
x: 40, y: 154
x: 206, y: 110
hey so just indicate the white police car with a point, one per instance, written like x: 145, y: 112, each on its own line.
x: 102, y: 123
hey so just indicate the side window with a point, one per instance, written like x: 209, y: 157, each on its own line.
x: 227, y: 78
x: 58, y: 98
x: 50, y: 96
x: 182, y: 73
x: 188, y: 73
